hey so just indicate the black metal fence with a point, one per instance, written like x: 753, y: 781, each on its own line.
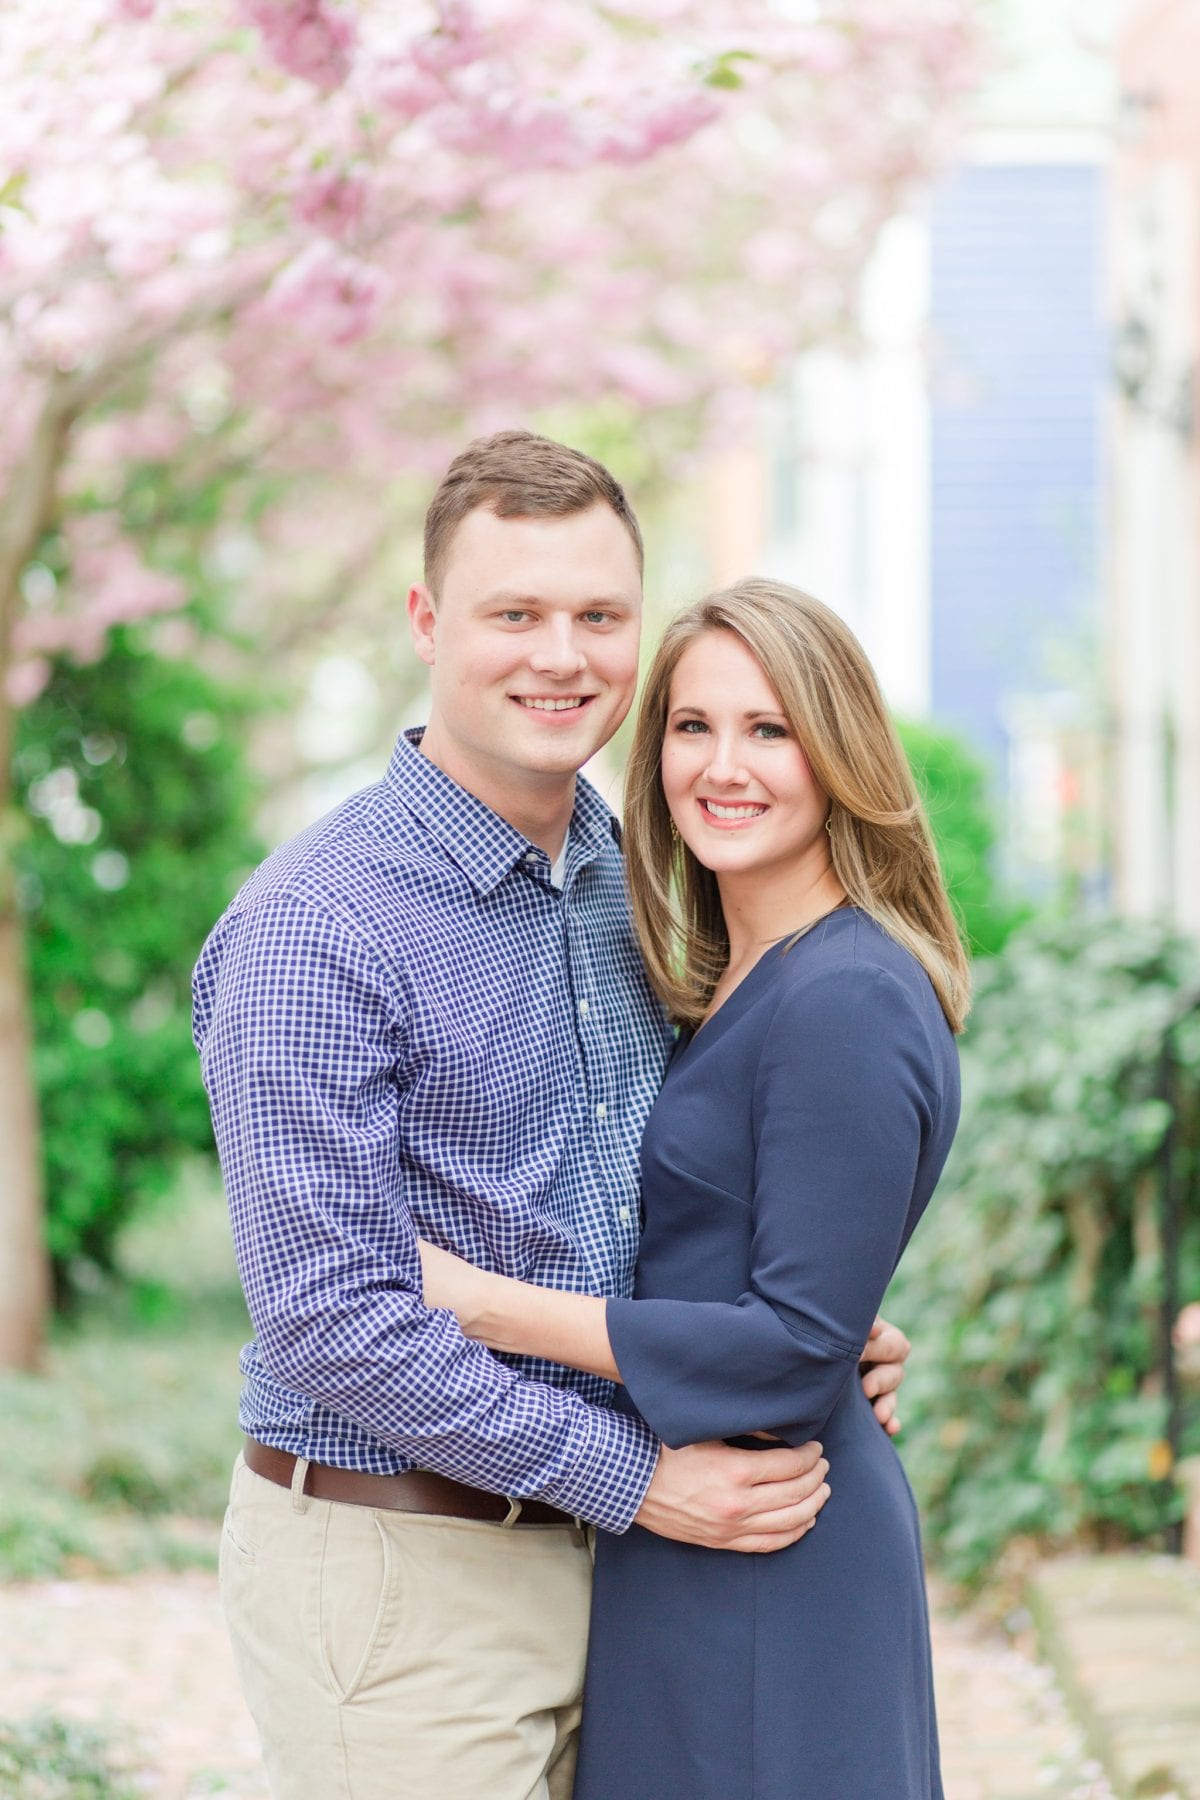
x: 1178, y: 1197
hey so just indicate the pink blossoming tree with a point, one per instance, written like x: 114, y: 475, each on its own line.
x: 314, y: 244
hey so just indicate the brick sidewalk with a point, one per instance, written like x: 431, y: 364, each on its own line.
x: 147, y: 1660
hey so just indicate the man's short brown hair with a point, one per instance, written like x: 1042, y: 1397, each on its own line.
x: 517, y: 474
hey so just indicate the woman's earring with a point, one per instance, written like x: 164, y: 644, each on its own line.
x: 674, y: 832
x: 829, y: 822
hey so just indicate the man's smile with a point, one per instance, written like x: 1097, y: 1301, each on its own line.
x: 553, y: 704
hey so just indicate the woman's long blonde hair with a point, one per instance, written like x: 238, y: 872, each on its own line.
x: 882, y: 850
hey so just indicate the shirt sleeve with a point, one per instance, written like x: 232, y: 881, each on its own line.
x: 301, y: 1036
x: 842, y: 1106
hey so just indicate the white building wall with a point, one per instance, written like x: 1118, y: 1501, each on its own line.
x: 849, y: 444
x: 1155, y: 621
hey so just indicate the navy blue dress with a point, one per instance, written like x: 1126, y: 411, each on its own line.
x: 794, y: 1146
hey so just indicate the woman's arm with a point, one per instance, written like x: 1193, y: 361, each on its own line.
x: 844, y: 1098
x: 506, y: 1314
x: 516, y: 1316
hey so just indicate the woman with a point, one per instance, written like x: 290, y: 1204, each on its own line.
x: 793, y: 919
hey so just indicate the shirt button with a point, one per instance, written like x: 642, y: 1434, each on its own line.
x: 624, y: 1215
x: 584, y: 1009
x: 531, y: 856
x: 602, y: 1111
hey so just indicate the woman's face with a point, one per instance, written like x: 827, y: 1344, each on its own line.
x: 736, y: 780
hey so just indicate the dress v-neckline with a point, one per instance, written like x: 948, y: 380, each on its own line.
x: 776, y: 948
x: 711, y: 1018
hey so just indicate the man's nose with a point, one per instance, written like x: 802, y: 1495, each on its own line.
x: 558, y: 650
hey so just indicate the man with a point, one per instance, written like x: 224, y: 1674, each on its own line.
x: 426, y: 1016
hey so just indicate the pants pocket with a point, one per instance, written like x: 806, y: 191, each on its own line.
x: 234, y: 1543
x: 357, y: 1572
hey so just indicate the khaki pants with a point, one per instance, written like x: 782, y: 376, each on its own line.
x: 397, y: 1656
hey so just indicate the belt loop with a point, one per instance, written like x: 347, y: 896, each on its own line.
x: 512, y: 1515
x: 299, y: 1477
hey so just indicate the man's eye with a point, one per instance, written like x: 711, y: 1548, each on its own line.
x: 597, y: 617
x: 513, y: 615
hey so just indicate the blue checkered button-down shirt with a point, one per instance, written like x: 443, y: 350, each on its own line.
x: 406, y: 1030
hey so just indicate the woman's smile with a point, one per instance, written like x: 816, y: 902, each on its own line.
x: 726, y: 815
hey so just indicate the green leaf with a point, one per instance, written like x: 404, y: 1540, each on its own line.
x: 724, y: 73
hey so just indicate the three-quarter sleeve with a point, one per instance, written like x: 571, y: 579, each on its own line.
x: 843, y: 1100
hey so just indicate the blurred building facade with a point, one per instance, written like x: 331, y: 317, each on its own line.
x: 1154, y: 590
x: 945, y: 485
x: 1018, y: 347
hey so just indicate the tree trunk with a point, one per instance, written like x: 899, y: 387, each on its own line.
x: 24, y: 1265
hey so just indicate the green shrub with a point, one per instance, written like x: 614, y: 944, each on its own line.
x: 1033, y: 1288
x: 47, y: 1758
x: 953, y: 784
x: 132, y: 773
x: 119, y: 1449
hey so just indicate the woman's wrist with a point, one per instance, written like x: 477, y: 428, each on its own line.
x: 496, y: 1311
x: 470, y: 1302
x: 559, y: 1327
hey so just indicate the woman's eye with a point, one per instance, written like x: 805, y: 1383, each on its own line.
x: 691, y: 727
x: 771, y: 731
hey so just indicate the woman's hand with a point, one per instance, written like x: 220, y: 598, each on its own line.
x: 447, y: 1281
x: 882, y: 1367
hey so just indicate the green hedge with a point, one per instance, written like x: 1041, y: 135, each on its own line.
x: 1032, y: 1288
x: 133, y: 778
x: 953, y: 784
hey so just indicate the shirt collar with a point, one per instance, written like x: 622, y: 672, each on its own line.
x: 483, y: 845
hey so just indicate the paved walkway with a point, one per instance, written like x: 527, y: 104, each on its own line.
x: 147, y: 1659
x: 1123, y: 1634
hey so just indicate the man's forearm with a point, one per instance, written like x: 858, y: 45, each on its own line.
x: 447, y: 1405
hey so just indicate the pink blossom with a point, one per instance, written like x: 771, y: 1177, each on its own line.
x: 647, y: 380
x: 108, y: 585
x: 26, y: 680
x: 316, y: 258
x: 107, y: 446
x: 409, y: 91
x: 332, y: 201
x: 773, y: 255
x: 661, y: 128
x: 335, y: 294
x: 309, y: 38
x: 458, y: 40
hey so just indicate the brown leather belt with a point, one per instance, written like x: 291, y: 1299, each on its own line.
x: 414, y: 1491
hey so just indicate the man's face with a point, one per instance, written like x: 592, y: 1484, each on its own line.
x: 533, y: 644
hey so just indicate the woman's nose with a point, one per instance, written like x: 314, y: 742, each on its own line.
x: 724, y: 765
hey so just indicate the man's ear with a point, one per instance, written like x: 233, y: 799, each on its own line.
x: 422, y: 617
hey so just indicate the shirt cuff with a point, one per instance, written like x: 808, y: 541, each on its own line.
x: 615, y: 1457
